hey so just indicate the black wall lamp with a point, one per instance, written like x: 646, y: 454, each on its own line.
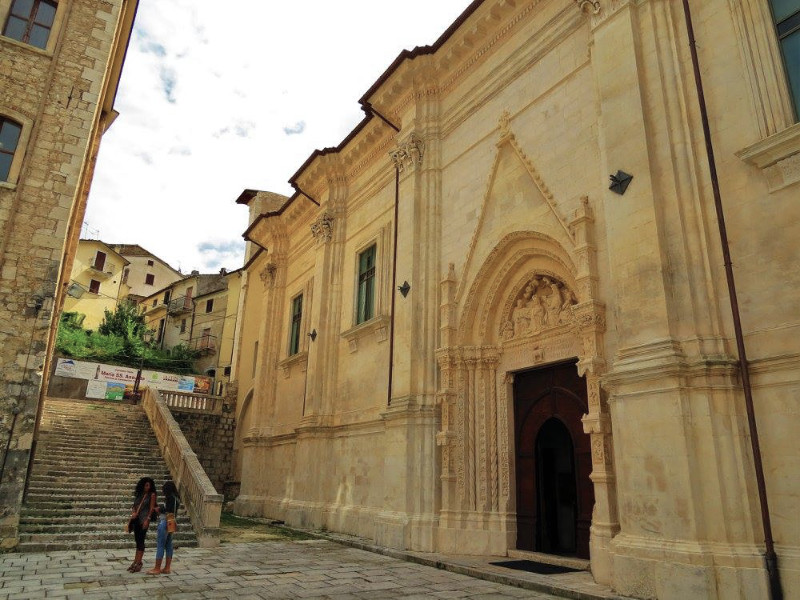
x: 313, y: 335
x: 405, y: 288
x: 620, y: 182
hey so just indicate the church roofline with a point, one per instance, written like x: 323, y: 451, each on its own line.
x: 366, y: 106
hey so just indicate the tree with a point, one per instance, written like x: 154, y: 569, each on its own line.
x: 122, y: 338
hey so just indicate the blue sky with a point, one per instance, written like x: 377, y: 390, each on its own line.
x: 215, y: 100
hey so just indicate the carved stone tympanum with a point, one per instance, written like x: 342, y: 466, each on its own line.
x: 543, y: 303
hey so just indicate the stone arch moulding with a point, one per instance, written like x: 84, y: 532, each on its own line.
x: 484, y: 341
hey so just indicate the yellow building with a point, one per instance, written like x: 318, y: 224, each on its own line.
x: 517, y: 296
x: 59, y: 70
x: 96, y: 282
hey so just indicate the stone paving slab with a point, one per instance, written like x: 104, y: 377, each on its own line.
x: 263, y: 571
x: 575, y: 585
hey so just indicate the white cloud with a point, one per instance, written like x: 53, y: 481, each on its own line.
x: 213, y: 98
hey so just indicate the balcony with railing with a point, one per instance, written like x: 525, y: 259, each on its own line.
x: 180, y: 305
x: 205, y: 344
x: 100, y: 269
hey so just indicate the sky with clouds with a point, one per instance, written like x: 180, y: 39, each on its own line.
x: 219, y: 97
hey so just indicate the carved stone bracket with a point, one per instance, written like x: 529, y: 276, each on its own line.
x: 322, y: 229
x: 408, y: 153
x: 589, y: 6
x: 267, y: 274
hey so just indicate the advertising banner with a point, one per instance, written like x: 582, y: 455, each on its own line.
x: 113, y: 383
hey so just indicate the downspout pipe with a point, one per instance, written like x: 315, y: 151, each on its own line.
x: 369, y: 108
x: 394, y: 283
x: 770, y: 557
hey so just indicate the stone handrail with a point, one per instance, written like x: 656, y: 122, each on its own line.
x: 195, y: 488
x: 195, y: 403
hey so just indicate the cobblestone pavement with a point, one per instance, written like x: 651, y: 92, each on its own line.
x: 281, y: 569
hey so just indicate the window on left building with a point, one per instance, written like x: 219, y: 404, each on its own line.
x: 30, y: 21
x: 9, y: 138
x: 94, y: 286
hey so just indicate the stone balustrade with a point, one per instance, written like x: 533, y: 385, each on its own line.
x: 197, y: 493
x: 188, y: 402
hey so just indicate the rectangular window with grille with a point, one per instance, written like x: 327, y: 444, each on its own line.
x: 365, y: 302
x: 297, y: 316
x: 787, y: 23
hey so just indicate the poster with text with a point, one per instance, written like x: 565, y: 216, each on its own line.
x: 202, y: 385
x: 96, y: 389
x: 186, y: 384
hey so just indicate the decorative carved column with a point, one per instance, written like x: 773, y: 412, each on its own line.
x: 274, y: 277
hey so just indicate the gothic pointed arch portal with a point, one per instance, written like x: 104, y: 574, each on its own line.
x: 527, y: 302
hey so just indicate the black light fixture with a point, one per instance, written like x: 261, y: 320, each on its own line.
x: 313, y: 335
x: 405, y: 288
x: 620, y: 182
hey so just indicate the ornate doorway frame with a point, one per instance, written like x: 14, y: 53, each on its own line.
x: 484, y: 344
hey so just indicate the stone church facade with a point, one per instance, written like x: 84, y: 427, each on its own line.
x: 60, y: 63
x: 469, y: 344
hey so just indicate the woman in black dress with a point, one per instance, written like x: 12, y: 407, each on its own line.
x: 144, y: 504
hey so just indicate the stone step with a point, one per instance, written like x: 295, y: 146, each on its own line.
x: 95, y: 545
x: 65, y: 505
x: 83, y: 517
x: 66, y: 494
x: 75, y: 480
x: 106, y: 526
x: 80, y: 447
x: 111, y: 471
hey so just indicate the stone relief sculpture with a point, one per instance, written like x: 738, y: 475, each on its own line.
x: 544, y: 302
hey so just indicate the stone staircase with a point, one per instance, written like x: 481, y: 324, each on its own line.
x: 88, y: 460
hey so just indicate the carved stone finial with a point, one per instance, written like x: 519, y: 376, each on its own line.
x: 505, y: 123
x: 589, y: 6
x: 408, y: 153
x: 322, y: 228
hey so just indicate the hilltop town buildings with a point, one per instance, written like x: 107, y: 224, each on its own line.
x: 468, y: 343
x: 97, y: 282
x: 59, y: 68
x: 199, y: 312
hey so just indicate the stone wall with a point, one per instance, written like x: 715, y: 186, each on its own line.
x: 211, y: 438
x: 57, y: 94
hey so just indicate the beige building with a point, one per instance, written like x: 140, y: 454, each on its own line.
x: 146, y: 272
x: 95, y: 285
x: 469, y: 343
x: 250, y: 317
x: 59, y: 68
